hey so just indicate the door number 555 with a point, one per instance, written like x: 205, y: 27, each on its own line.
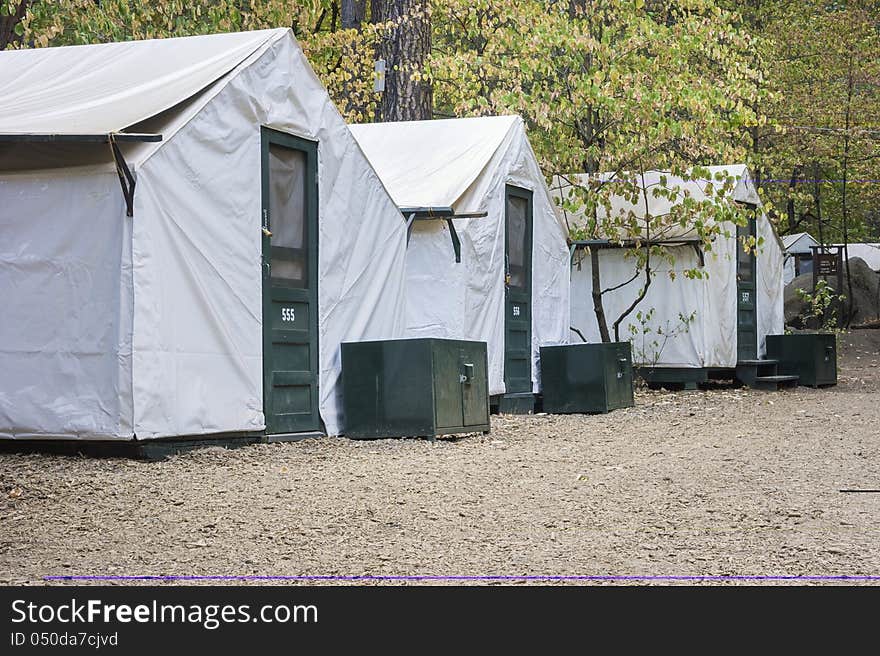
x: 288, y: 314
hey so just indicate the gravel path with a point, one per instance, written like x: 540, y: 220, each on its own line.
x: 723, y: 482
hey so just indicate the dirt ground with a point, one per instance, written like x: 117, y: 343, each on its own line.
x: 709, y: 483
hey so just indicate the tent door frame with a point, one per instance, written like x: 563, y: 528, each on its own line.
x: 746, y: 293
x: 518, y: 397
x: 282, y: 333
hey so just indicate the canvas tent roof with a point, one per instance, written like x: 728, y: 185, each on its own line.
x: 744, y: 191
x: 106, y: 88
x: 451, y: 155
x: 870, y: 253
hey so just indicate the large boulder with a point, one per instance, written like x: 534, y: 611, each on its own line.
x: 866, y: 296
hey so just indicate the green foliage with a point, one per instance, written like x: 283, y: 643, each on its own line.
x: 612, y: 88
x: 824, y: 60
x: 821, y: 305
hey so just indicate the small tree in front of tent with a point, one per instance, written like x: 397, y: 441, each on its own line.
x: 612, y: 86
x: 820, y: 306
x: 648, y: 340
x: 621, y: 213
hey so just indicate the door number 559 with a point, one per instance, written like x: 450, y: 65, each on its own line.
x: 288, y: 314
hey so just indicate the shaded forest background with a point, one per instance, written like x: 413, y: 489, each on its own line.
x: 791, y: 88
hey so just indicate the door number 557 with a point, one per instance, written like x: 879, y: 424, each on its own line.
x: 288, y: 314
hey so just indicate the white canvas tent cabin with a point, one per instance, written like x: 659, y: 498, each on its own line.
x: 869, y: 252
x: 188, y: 231
x: 695, y: 327
x: 799, y: 249
x: 798, y: 255
x: 487, y: 257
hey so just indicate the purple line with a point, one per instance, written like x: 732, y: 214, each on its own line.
x: 822, y: 180
x: 428, y: 577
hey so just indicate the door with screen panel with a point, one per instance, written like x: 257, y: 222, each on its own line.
x: 746, y: 315
x: 290, y: 283
x: 518, y: 302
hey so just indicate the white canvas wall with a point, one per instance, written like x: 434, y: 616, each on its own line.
x: 770, y: 284
x: 697, y: 343
x: 870, y: 253
x: 65, y: 281
x: 198, y: 319
x: 788, y: 273
x: 710, y: 340
x: 467, y: 164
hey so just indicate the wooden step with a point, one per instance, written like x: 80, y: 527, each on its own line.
x: 749, y: 370
x: 517, y: 403
x: 774, y: 382
x: 755, y: 363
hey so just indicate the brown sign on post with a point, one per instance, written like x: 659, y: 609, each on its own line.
x: 826, y: 264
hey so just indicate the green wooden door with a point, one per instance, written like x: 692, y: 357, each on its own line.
x: 518, y: 301
x: 746, y: 302
x: 290, y: 283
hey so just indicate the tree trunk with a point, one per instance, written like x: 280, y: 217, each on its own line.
x: 789, y: 204
x: 587, y: 131
x: 641, y: 297
x: 843, y: 208
x: 406, y: 96
x: 755, y: 131
x: 7, y: 25
x: 817, y: 202
x: 644, y: 291
x: 598, y: 307
x: 353, y: 14
x: 587, y: 126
